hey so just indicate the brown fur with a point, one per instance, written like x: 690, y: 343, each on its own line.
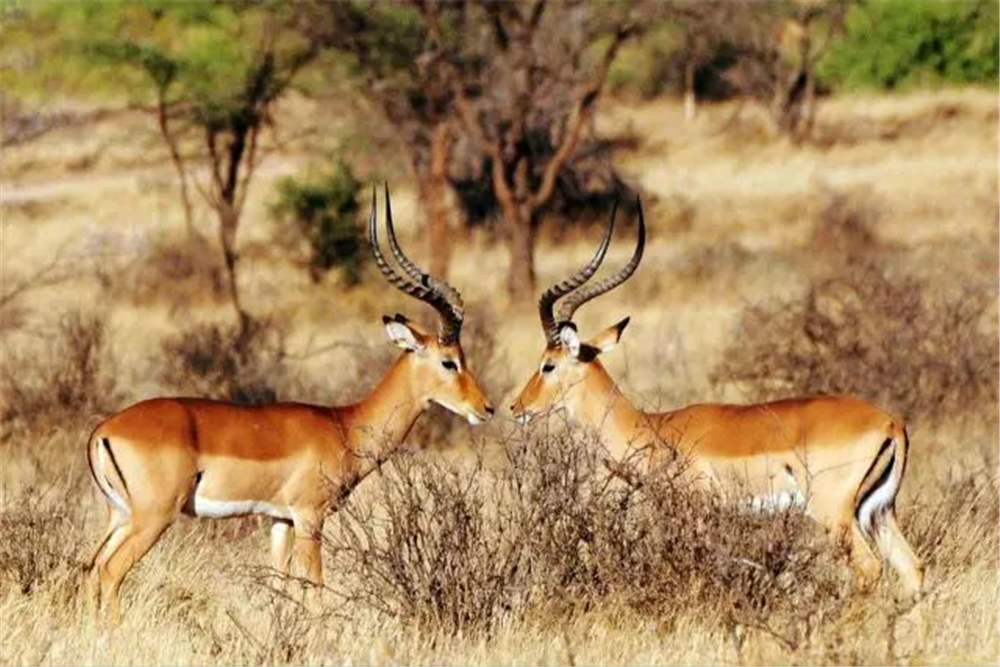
x: 826, y: 448
x: 297, y: 458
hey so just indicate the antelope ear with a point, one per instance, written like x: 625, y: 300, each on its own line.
x: 570, y: 339
x: 608, y: 339
x: 404, y: 334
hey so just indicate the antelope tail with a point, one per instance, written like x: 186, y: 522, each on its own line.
x: 107, y: 473
x: 881, y: 484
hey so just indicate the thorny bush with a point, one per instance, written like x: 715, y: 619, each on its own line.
x: 63, y: 379
x: 550, y: 529
x: 191, y: 266
x: 882, y: 339
x: 36, y: 543
x: 216, y: 361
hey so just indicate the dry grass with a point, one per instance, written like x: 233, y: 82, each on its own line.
x: 883, y: 231
x: 70, y: 376
x: 437, y: 563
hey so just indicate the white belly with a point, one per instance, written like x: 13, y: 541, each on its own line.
x: 219, y: 509
x: 776, y: 501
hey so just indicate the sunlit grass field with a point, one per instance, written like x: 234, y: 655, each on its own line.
x: 896, y: 194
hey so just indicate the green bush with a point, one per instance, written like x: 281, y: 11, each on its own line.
x: 900, y: 44
x: 323, y: 211
x: 646, y: 66
x: 654, y: 64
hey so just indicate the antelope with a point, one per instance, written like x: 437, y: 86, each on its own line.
x: 289, y: 461
x: 838, y: 458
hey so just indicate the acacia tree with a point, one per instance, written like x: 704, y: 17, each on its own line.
x: 217, y: 72
x: 392, y: 56
x: 514, y: 84
x: 778, y: 45
x: 231, y: 131
x: 525, y: 83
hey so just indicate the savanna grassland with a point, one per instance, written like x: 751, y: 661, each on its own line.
x: 863, y: 260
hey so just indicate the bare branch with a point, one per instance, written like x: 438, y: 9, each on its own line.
x: 50, y: 273
x: 581, y: 112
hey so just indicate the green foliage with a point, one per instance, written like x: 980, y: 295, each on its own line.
x: 387, y: 37
x: 897, y: 44
x: 323, y: 210
x: 206, y: 52
x: 646, y: 66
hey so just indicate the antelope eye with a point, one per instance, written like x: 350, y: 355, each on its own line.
x: 450, y: 365
x: 548, y: 367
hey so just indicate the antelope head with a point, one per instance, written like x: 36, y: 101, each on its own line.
x: 438, y: 369
x: 570, y: 369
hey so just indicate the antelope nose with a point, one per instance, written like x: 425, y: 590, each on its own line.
x: 490, y: 410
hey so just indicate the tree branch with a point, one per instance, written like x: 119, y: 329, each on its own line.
x: 252, y: 162
x: 210, y: 194
x: 582, y: 110
x: 501, y: 187
x: 50, y: 273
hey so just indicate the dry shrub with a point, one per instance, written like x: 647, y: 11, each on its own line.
x: 959, y: 528
x: 285, y: 636
x: 181, y: 270
x: 68, y: 378
x: 661, y: 546
x: 704, y: 265
x: 845, y: 227
x: 37, y: 543
x: 461, y: 551
x: 216, y: 361
x: 879, y: 338
x: 426, y: 552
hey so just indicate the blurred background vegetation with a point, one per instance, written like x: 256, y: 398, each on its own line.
x: 183, y: 188
x: 492, y: 104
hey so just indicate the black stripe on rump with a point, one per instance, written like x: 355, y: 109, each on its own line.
x: 114, y: 462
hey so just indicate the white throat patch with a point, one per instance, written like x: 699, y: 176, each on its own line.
x: 471, y: 417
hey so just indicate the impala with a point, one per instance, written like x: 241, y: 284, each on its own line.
x: 289, y: 461
x: 837, y: 457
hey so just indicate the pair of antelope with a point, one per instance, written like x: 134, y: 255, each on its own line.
x: 840, y: 458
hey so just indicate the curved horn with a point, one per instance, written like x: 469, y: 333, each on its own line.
x: 427, y: 290
x: 577, y: 299
x: 552, y: 294
x: 409, y: 267
x: 414, y: 271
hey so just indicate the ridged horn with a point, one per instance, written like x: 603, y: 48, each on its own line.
x: 559, y: 290
x: 436, y: 293
x: 577, y: 299
x: 414, y: 271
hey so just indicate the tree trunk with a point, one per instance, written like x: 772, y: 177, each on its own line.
x: 433, y: 186
x: 690, y: 101
x: 228, y: 224
x: 163, y: 118
x: 228, y: 210
x: 521, y: 276
x: 807, y: 111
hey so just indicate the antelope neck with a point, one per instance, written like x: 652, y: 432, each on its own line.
x: 376, y: 425
x: 601, y: 406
